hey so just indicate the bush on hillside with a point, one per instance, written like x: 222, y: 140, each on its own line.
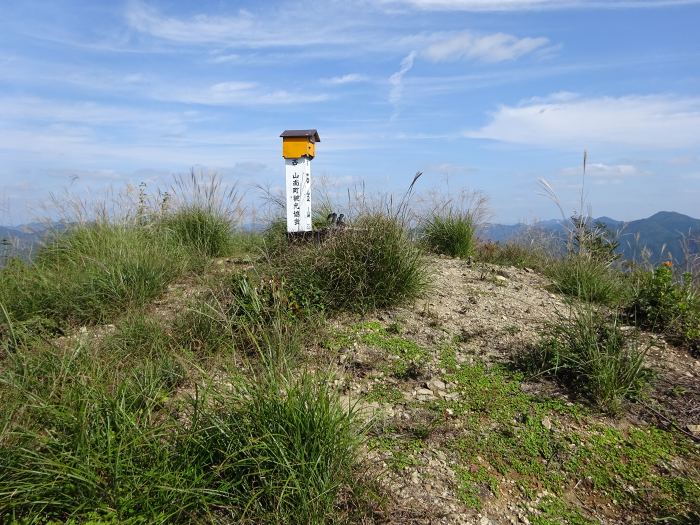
x: 369, y: 265
x: 660, y: 303
x: 450, y: 233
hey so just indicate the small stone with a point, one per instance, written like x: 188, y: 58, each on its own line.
x: 694, y: 429
x: 415, y: 479
x: 501, y: 279
x: 424, y: 392
x: 547, y: 423
x: 436, y: 384
x: 484, y: 521
x: 528, y: 270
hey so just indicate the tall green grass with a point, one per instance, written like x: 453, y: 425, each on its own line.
x: 515, y: 254
x: 92, y: 273
x: 589, y: 280
x: 593, y: 356
x: 369, y: 265
x: 103, y: 265
x: 450, y: 233
x: 85, y: 437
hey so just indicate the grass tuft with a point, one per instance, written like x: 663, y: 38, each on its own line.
x: 588, y: 279
x: 450, y: 234
x: 369, y: 265
x: 591, y: 354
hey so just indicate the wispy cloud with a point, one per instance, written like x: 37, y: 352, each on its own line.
x: 235, y: 93
x: 532, y: 5
x: 244, y: 29
x: 396, y: 80
x: 496, y: 47
x: 607, y: 171
x: 350, y: 78
x: 652, y: 121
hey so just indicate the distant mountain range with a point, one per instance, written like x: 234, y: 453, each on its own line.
x: 665, y: 234
x: 661, y: 234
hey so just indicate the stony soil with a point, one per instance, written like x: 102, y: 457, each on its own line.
x: 487, y: 315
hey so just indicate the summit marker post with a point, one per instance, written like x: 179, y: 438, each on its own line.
x: 298, y: 149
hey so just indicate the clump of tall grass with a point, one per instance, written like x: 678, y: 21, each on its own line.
x: 451, y: 233
x: 588, y: 279
x: 91, y: 273
x: 201, y: 213
x: 79, y: 441
x: 288, y: 446
x: 512, y: 254
x: 371, y: 264
x: 109, y: 261
x: 592, y: 355
x: 242, y: 313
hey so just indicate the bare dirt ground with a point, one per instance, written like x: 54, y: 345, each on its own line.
x: 481, y: 316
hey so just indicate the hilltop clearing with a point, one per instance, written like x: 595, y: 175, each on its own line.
x: 164, y: 371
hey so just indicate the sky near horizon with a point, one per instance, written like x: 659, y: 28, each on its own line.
x: 486, y: 95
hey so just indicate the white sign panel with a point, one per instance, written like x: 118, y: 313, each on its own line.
x: 298, y: 174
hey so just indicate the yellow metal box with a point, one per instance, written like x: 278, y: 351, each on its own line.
x: 297, y: 143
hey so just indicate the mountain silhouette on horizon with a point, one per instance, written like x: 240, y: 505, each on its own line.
x: 662, y: 236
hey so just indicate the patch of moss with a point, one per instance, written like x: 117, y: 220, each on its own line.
x: 523, y: 437
x: 404, y: 451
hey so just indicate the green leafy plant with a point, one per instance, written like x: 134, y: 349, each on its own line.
x: 664, y: 304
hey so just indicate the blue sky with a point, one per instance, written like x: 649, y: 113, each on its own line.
x: 486, y: 95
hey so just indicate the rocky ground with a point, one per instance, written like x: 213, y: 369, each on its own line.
x: 458, y: 435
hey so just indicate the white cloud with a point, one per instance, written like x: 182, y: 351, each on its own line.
x: 233, y: 93
x: 652, y: 121
x: 496, y: 47
x: 602, y: 170
x: 350, y: 78
x: 530, y: 5
x: 199, y: 29
x: 245, y: 29
x: 396, y: 80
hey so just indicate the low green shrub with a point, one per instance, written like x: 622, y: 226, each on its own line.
x: 663, y: 304
x: 593, y: 356
x: 450, y: 234
x: 369, y: 265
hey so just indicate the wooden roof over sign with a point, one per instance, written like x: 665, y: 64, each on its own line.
x: 311, y: 134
